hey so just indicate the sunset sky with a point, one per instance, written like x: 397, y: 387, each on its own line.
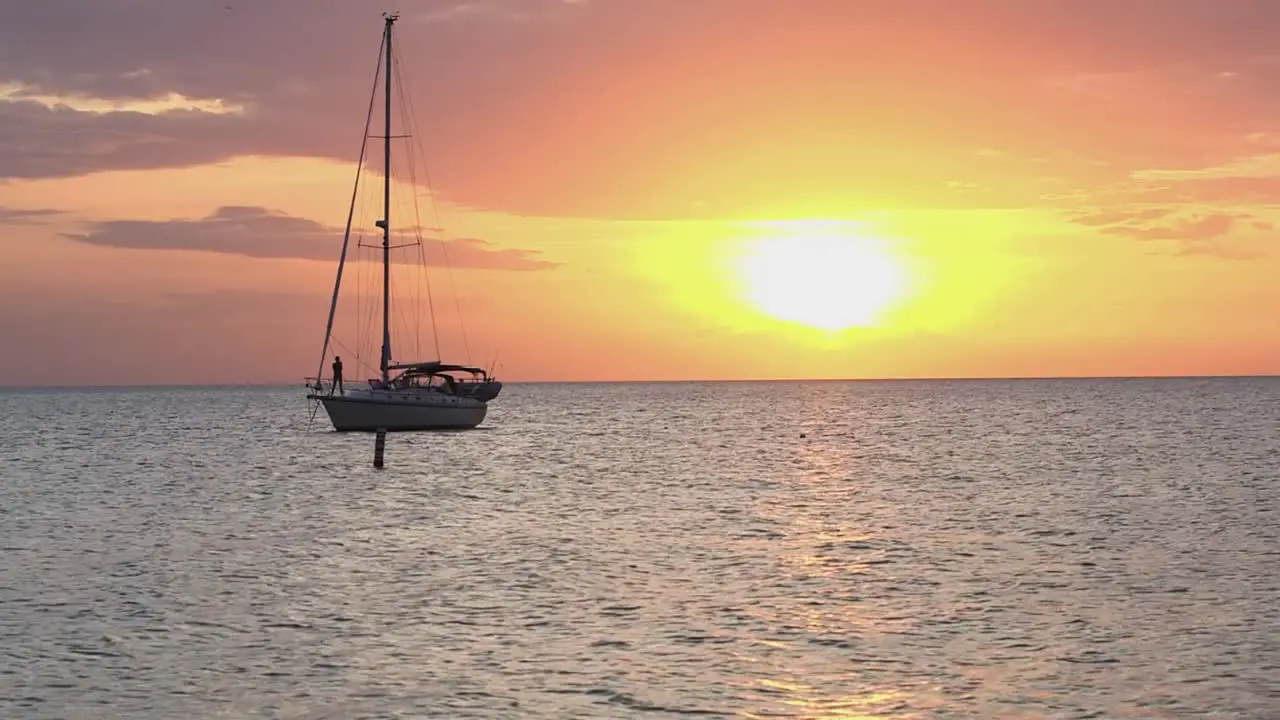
x: 649, y: 189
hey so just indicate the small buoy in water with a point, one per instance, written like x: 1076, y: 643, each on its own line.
x: 379, y: 445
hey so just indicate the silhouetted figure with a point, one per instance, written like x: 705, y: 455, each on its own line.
x: 337, y: 375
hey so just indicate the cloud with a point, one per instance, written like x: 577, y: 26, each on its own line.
x: 488, y: 10
x: 1219, y: 250
x: 42, y: 141
x: 1241, y: 190
x: 1205, y: 233
x: 1195, y: 228
x: 261, y: 233
x: 857, y: 105
x: 26, y: 216
x: 171, y: 102
x: 1112, y: 217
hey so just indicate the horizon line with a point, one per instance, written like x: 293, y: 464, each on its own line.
x: 939, y: 378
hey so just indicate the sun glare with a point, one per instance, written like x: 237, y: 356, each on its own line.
x: 824, y: 281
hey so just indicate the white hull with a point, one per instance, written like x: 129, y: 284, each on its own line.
x: 398, y: 411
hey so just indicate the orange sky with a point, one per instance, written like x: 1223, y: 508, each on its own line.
x: 663, y: 189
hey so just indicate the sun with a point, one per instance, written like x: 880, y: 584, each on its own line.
x: 826, y: 281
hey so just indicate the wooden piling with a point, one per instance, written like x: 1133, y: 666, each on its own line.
x: 379, y: 445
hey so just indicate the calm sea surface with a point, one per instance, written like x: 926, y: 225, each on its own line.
x: 1020, y: 549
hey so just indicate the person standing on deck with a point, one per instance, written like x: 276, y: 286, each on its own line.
x: 337, y: 376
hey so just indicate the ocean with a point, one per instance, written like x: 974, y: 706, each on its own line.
x: 933, y: 549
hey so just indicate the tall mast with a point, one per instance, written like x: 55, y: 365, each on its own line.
x: 386, y: 212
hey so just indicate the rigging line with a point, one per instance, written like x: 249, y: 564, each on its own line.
x: 359, y: 306
x: 435, y: 211
x: 371, y: 308
x: 417, y: 307
x: 346, y: 235
x: 311, y: 418
x: 374, y: 290
x: 413, y: 183
x: 314, y: 409
x: 395, y: 320
x: 412, y: 319
x: 370, y: 339
x: 408, y: 122
x: 415, y: 321
x: 399, y: 324
x: 403, y: 317
x: 361, y: 271
x: 365, y: 311
x: 362, y: 308
x: 371, y: 266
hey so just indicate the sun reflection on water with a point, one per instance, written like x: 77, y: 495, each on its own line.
x: 826, y: 656
x: 811, y: 702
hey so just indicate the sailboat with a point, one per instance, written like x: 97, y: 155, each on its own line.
x: 419, y: 395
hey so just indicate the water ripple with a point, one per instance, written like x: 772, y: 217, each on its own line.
x: 1048, y: 549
